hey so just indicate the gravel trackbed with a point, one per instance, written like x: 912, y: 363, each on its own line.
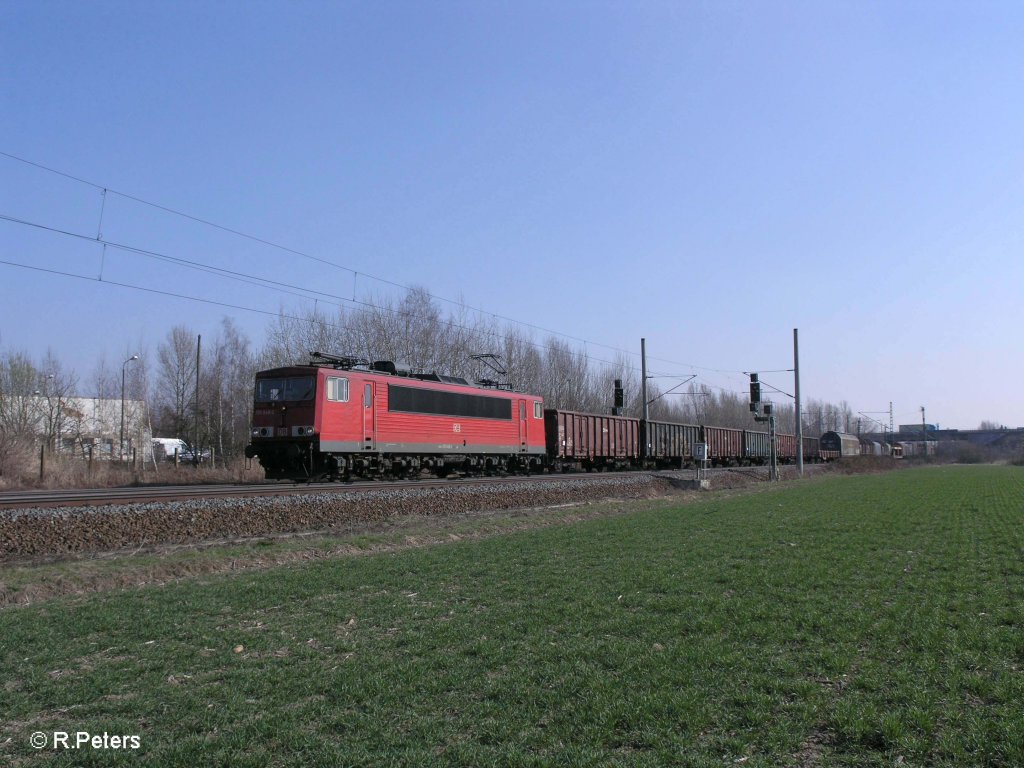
x: 31, y: 533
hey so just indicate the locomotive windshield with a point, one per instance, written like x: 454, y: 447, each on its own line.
x: 292, y: 389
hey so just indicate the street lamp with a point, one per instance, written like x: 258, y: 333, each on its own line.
x: 120, y: 447
x: 56, y: 422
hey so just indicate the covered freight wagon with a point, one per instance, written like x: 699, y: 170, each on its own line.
x: 839, y: 445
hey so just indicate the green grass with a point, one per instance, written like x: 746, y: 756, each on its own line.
x: 852, y: 621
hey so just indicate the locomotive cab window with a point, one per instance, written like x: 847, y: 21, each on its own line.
x: 291, y: 389
x: 337, y: 389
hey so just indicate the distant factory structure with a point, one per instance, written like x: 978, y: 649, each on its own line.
x: 916, y: 429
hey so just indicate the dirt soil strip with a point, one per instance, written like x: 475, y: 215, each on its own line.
x: 170, y: 563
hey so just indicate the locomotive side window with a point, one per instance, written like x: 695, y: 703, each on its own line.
x: 438, y: 403
x: 337, y: 389
x: 538, y: 411
x: 368, y: 395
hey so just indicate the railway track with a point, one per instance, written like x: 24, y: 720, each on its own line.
x: 63, y: 523
x: 82, y: 497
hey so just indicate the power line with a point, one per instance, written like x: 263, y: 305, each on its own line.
x: 776, y: 389
x: 286, y: 288
x: 264, y: 283
x: 154, y: 290
x: 323, y: 322
x: 279, y: 314
x: 206, y: 222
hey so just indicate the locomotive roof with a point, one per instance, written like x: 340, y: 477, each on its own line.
x: 432, y: 377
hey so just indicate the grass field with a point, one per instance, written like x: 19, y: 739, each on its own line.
x: 852, y: 621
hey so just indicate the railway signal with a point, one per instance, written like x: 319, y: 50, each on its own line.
x: 755, y: 392
x: 765, y: 411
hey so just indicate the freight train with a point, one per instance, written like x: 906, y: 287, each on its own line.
x: 843, y: 445
x: 339, y: 418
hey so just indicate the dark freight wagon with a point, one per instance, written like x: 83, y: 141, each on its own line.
x: 591, y: 441
x: 670, y: 445
x: 725, y: 445
x: 756, y: 447
x: 786, y: 447
x: 812, y: 449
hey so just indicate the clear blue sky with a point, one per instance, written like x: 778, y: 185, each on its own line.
x: 707, y: 175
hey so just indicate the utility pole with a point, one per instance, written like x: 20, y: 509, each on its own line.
x: 195, y: 445
x: 644, y: 452
x: 120, y: 447
x: 643, y: 377
x: 799, y: 416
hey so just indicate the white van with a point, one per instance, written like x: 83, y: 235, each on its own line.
x: 164, y: 448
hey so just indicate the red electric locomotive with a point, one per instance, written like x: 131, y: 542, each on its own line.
x: 340, y: 417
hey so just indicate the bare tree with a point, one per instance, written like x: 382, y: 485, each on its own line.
x: 290, y: 338
x: 57, y: 385
x: 565, y: 378
x: 176, y: 381
x: 227, y: 391
x: 19, y: 408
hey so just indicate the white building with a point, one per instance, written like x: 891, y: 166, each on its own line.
x: 87, y: 426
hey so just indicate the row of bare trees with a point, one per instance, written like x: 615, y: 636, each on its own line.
x: 30, y: 404
x: 413, y: 330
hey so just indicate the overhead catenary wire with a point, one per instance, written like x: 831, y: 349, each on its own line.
x: 279, y: 286
x: 264, y: 283
x: 270, y: 313
x: 105, y: 190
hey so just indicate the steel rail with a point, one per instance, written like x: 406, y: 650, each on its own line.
x: 143, y: 494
